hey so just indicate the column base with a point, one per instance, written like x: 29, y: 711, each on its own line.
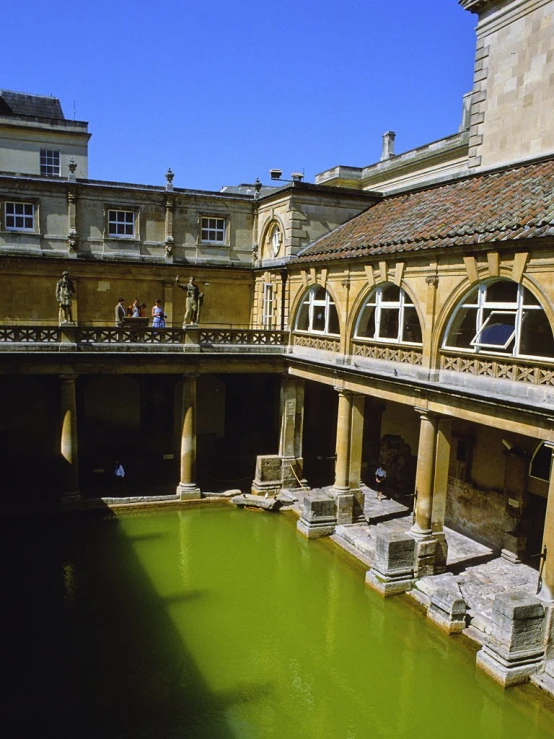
x: 318, y: 517
x: 504, y: 673
x: 70, y: 497
x: 188, y: 491
x: 431, y: 550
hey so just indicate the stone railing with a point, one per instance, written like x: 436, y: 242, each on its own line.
x: 313, y: 341
x: 503, y: 368
x: 30, y: 334
x: 139, y: 339
x: 387, y: 353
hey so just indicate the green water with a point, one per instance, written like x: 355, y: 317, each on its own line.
x: 226, y: 624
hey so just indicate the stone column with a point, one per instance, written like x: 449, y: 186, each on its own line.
x: 187, y: 488
x: 427, y: 544
x: 342, y: 475
x: 72, y: 233
x: 69, y: 447
x: 425, y: 473
x: 169, y: 240
x: 440, y: 489
x: 285, y: 469
x: 546, y: 592
x: 292, y: 429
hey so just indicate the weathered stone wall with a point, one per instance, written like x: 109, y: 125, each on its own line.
x: 477, y: 513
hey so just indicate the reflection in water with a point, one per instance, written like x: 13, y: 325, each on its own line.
x: 220, y: 624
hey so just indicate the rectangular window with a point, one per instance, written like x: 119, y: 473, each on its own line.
x: 498, y: 331
x: 20, y: 216
x: 213, y: 230
x: 121, y: 224
x: 50, y: 162
x: 268, y: 306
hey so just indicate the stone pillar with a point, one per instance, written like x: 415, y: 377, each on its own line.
x: 292, y: 430
x: 514, y: 648
x: 425, y: 473
x: 440, y: 489
x: 169, y: 240
x: 69, y: 447
x: 356, y: 452
x: 427, y: 544
x: 168, y: 302
x: 546, y: 592
x: 187, y: 488
x: 72, y: 234
x: 342, y: 476
x: 341, y: 488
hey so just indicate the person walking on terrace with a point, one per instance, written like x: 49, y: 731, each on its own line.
x: 380, y: 480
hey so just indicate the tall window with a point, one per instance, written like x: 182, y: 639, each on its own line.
x: 318, y: 313
x: 213, y: 230
x: 268, y: 304
x: 19, y: 216
x: 50, y: 162
x: 389, y: 315
x: 121, y: 223
x: 501, y: 317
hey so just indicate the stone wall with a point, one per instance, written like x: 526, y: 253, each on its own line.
x: 477, y: 513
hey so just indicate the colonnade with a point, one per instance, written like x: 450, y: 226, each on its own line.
x: 69, y: 441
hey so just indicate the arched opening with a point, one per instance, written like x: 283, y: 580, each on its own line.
x: 389, y: 315
x: 500, y: 317
x: 317, y: 313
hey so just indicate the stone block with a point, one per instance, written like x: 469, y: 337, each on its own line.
x: 514, y: 648
x: 447, y: 610
x: 318, y: 516
x: 393, y: 566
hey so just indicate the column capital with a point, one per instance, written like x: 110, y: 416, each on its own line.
x: 426, y: 412
x: 342, y: 390
x: 68, y: 376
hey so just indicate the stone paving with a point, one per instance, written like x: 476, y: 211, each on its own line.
x: 474, y: 571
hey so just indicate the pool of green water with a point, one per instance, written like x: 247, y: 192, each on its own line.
x: 226, y: 624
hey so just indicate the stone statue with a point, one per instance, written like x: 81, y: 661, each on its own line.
x: 65, y: 290
x: 193, y: 301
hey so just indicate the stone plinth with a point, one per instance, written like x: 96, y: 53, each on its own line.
x: 268, y: 475
x: 393, y: 567
x: 318, y: 516
x: 447, y: 610
x: 514, y: 648
x: 188, y: 491
x: 274, y: 472
x: 430, y: 556
x: 514, y: 546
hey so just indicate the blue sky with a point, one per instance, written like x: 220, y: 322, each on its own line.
x: 223, y: 90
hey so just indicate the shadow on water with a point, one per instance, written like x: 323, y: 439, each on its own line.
x: 92, y: 651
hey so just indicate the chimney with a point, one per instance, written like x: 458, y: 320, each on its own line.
x: 388, y: 145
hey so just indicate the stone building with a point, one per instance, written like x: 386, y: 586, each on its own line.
x: 400, y: 312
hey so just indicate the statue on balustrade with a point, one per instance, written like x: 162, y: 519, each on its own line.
x: 193, y: 301
x: 65, y: 292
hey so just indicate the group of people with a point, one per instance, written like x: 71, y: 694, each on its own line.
x: 138, y: 309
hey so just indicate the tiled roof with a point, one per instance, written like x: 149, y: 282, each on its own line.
x: 21, y: 103
x: 509, y: 204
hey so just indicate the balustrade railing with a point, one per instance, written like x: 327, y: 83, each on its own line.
x: 502, y: 368
x: 141, y: 338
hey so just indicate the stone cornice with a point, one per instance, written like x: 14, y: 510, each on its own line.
x: 476, y: 6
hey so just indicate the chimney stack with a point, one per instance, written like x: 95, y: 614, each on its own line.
x: 388, y: 145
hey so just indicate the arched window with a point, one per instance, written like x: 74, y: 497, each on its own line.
x: 541, y: 462
x: 318, y: 313
x: 389, y: 315
x: 501, y: 317
x: 273, y: 240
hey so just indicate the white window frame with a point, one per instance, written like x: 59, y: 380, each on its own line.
x: 375, y: 300
x: 217, y: 229
x: 26, y: 217
x: 50, y: 163
x: 114, y: 219
x: 313, y: 304
x: 268, y: 305
x: 481, y: 305
x: 476, y: 340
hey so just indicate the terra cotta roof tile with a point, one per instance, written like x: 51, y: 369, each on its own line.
x: 503, y: 205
